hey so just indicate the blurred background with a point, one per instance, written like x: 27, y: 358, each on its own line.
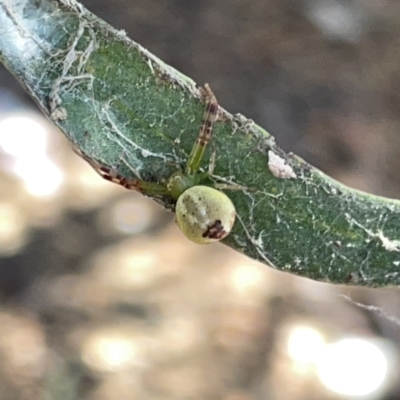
x: 101, y: 297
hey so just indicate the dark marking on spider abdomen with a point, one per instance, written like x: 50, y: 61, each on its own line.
x: 215, y: 231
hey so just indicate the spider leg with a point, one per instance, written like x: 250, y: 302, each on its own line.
x: 205, y: 132
x: 148, y: 188
x: 211, y: 166
x: 230, y: 186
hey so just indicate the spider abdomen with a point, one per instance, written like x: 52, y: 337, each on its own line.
x: 204, y: 214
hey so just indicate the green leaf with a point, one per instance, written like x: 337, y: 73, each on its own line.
x: 114, y: 100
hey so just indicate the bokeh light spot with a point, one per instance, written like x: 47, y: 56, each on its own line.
x: 40, y: 175
x: 352, y: 367
x: 22, y: 136
x: 305, y: 344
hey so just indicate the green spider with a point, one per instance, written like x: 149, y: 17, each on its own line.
x: 203, y: 213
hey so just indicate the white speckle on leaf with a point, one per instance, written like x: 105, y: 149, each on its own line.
x: 279, y: 168
x: 59, y: 114
x: 390, y: 245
